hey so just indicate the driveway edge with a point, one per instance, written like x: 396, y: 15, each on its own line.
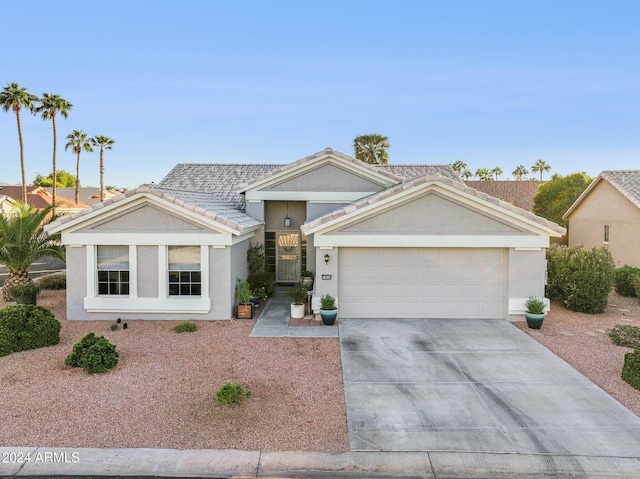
x: 78, y: 462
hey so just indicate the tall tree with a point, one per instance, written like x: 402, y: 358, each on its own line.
x: 556, y: 196
x: 372, y: 148
x: 78, y: 141
x: 497, y: 171
x: 520, y: 172
x: 50, y: 105
x: 466, y: 174
x: 105, y: 143
x: 13, y: 97
x: 461, y: 168
x: 540, y: 166
x: 483, y: 174
x: 23, y: 241
x: 64, y: 180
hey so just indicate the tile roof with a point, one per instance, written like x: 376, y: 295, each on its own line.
x: 395, y: 190
x: 87, y: 195
x: 627, y: 182
x: 205, y: 204
x: 224, y: 180
x: 518, y: 193
x: 39, y: 197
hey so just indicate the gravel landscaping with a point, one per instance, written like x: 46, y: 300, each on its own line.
x: 581, y: 340
x: 162, y: 394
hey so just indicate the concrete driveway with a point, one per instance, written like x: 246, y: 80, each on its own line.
x: 473, y: 386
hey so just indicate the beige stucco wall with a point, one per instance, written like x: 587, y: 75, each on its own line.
x: 327, y: 177
x: 605, y: 205
x: 147, y: 271
x: 432, y: 214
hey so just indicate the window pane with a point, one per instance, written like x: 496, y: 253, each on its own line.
x: 185, y: 289
x: 195, y: 277
x: 103, y: 288
x: 113, y: 257
x: 195, y: 289
x: 174, y: 276
x: 103, y: 276
x: 182, y: 258
x: 174, y: 289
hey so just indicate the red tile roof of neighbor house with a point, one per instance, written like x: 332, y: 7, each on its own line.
x: 38, y: 197
x: 518, y: 193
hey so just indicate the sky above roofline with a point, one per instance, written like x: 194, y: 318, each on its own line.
x: 494, y: 83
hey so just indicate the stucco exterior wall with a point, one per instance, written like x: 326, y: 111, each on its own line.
x: 148, y: 271
x: 606, y: 206
x: 76, y: 263
x: 315, y: 210
x: 327, y: 177
x: 276, y: 211
x: 527, y: 277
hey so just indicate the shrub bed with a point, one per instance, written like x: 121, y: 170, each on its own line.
x: 631, y: 369
x: 625, y: 335
x: 94, y: 354
x: 580, y: 279
x: 53, y: 281
x: 26, y: 326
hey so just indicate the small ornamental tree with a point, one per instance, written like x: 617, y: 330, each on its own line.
x: 557, y: 195
x: 580, y: 279
x: 26, y: 326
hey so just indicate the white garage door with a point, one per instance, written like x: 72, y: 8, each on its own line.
x: 422, y: 282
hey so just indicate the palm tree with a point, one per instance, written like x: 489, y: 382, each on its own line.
x: 78, y: 141
x: 13, y: 97
x: 497, y: 171
x: 540, y: 166
x: 459, y: 166
x: 520, y: 172
x: 50, y: 105
x: 466, y: 174
x: 372, y: 148
x: 483, y: 174
x: 105, y: 143
x: 24, y: 241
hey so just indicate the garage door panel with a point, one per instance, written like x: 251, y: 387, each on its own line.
x: 422, y: 282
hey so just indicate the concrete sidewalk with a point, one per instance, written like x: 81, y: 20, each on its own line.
x: 70, y: 462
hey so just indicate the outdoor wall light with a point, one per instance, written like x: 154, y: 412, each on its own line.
x: 287, y: 222
x: 326, y: 258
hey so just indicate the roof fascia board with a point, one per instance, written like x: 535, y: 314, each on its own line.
x: 295, y: 168
x: 314, y: 196
x: 432, y: 241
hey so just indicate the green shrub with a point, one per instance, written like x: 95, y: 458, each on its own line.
x: 186, y: 327
x: 580, y: 279
x: 534, y: 305
x: 24, y: 293
x: 53, y: 281
x: 94, y: 354
x: 27, y: 326
x: 635, y: 281
x: 327, y: 302
x: 631, y: 369
x: 232, y: 393
x: 625, y: 335
x: 624, y: 280
x: 259, y: 276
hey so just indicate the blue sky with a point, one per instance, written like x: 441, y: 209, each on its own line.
x: 494, y: 83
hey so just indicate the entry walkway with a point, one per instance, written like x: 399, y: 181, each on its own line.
x: 274, y: 321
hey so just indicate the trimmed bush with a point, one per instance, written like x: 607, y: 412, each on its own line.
x: 94, y: 354
x: 186, y: 327
x: 24, y: 293
x: 624, y: 280
x: 26, y: 326
x: 53, y: 281
x: 232, y: 393
x: 580, y: 279
x: 625, y: 335
x: 631, y: 369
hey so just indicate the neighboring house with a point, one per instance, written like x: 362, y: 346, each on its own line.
x: 86, y: 195
x: 40, y: 198
x: 6, y: 204
x: 393, y: 241
x: 607, y: 214
x: 518, y: 193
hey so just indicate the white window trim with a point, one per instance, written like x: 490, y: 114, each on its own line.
x: 132, y: 303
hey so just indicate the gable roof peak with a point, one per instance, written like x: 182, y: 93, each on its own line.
x: 627, y: 182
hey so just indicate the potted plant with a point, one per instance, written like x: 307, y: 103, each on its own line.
x: 535, y: 312
x: 307, y: 279
x: 243, y: 297
x: 298, y: 297
x: 257, y: 295
x: 328, y: 309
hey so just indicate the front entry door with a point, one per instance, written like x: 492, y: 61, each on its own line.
x: 288, y: 257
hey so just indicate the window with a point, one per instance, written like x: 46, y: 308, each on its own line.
x: 113, y: 270
x: 184, y: 271
x: 606, y: 233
